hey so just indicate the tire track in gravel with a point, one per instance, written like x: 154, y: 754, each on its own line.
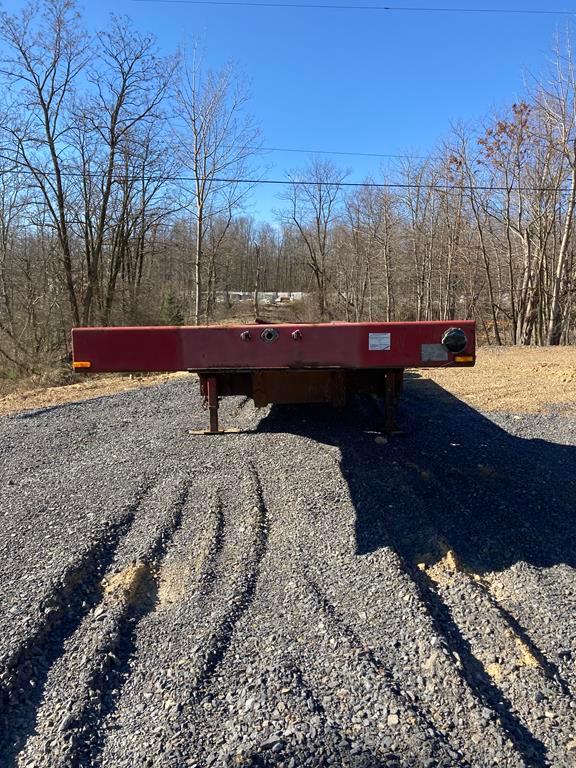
x: 163, y: 705
x: 530, y: 748
x: 409, y: 666
x: 106, y: 641
x: 406, y: 541
x: 169, y: 637
x: 24, y: 674
x: 134, y: 604
x: 304, y: 734
x: 539, y: 698
x: 208, y: 569
x: 525, y: 594
x: 461, y: 601
x: 370, y: 666
x: 324, y: 736
x: 221, y: 637
x: 549, y: 669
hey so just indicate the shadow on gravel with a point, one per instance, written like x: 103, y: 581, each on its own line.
x: 455, y: 481
x: 34, y: 412
x: 455, y: 477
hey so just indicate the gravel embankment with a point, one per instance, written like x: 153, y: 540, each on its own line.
x: 303, y: 595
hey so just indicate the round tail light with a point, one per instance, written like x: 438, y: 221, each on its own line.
x: 454, y: 339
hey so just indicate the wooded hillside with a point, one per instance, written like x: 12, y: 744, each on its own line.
x: 125, y: 178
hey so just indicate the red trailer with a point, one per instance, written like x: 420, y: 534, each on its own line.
x: 281, y: 363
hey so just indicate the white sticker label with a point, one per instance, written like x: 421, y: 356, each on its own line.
x: 378, y: 342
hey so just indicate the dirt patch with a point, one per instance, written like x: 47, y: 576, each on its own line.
x: 525, y: 656
x: 495, y: 671
x: 172, y: 584
x: 130, y: 582
x: 85, y: 388
x: 514, y: 379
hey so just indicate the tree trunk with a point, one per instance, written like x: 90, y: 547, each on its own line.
x: 555, y: 317
x: 198, y: 265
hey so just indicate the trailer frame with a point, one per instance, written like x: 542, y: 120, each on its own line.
x: 282, y: 363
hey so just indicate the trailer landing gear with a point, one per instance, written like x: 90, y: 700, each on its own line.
x: 300, y: 386
x: 209, y: 391
x: 392, y: 390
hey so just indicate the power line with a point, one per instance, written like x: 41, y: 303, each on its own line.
x: 439, y: 187
x: 342, y: 152
x: 302, y: 150
x: 386, y: 185
x: 390, y: 8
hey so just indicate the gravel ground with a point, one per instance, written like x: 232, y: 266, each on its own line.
x: 310, y: 594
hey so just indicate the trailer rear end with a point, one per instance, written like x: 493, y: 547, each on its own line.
x: 281, y: 363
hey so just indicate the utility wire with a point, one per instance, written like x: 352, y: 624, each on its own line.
x: 120, y: 178
x: 390, y: 8
x: 387, y: 185
x: 389, y: 156
x: 341, y: 152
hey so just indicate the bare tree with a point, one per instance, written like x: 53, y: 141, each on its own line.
x: 257, y: 270
x: 129, y: 83
x: 314, y: 198
x: 557, y: 100
x: 217, y: 140
x: 372, y: 220
x: 46, y: 52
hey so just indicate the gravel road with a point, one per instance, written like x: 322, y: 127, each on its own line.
x: 309, y: 594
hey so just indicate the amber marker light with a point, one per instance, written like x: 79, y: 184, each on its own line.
x: 464, y: 359
x: 81, y: 364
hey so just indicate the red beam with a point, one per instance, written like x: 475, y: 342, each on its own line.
x: 260, y: 347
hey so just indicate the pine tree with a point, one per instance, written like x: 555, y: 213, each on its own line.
x: 170, y: 310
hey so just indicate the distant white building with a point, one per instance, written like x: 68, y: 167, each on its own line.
x: 264, y: 297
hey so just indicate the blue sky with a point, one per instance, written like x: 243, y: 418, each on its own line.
x: 355, y: 80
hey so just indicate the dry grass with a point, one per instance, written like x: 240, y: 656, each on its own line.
x: 514, y: 379
x: 84, y: 388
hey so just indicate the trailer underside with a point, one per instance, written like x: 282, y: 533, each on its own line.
x: 282, y: 387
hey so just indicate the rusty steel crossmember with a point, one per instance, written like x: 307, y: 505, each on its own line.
x: 282, y: 363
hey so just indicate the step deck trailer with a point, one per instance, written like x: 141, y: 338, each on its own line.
x: 281, y: 363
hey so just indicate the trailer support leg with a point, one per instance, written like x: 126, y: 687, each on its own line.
x: 210, y: 387
x: 212, y: 396
x: 393, y: 387
x: 390, y: 403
